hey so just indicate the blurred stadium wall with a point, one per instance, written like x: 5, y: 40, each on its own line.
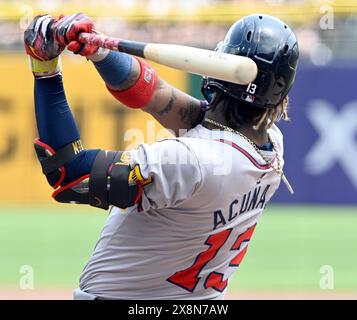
x: 324, y: 90
x: 103, y: 122
x: 321, y: 146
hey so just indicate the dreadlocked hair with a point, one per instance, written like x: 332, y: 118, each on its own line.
x: 238, y: 113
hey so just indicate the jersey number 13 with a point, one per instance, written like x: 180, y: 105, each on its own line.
x: 189, y: 278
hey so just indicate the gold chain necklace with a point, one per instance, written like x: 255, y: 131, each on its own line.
x: 278, y: 169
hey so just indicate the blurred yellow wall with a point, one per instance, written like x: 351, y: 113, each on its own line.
x: 298, y: 11
x: 102, y: 120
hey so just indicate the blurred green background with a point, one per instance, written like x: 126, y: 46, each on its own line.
x: 289, y: 247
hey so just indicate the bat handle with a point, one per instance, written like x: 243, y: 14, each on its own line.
x: 99, y: 41
x: 131, y: 47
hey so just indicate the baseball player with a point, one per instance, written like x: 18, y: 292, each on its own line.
x: 182, y: 210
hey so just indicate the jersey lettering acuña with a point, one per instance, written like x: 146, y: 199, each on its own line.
x: 206, y: 192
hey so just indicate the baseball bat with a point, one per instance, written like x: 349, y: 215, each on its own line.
x: 222, y: 66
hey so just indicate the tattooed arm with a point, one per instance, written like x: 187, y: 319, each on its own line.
x: 173, y: 108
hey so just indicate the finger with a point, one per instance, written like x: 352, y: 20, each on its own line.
x: 76, y: 47
x: 82, y: 49
x: 64, y: 25
x: 79, y: 27
x: 88, y: 50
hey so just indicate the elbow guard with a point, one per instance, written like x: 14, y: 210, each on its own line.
x: 110, y: 182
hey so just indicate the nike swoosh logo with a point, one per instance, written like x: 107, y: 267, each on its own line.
x: 99, y: 203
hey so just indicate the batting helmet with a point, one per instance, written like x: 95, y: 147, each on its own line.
x: 274, y: 48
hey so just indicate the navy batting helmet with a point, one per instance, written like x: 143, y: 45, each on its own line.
x: 274, y: 48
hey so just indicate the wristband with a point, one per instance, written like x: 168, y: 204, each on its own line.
x: 99, y: 55
x: 45, y: 69
x: 140, y: 94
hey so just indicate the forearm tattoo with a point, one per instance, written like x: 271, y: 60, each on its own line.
x: 190, y: 113
x: 169, y: 105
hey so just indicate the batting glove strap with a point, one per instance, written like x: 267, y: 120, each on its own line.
x: 45, y: 69
x: 99, y: 55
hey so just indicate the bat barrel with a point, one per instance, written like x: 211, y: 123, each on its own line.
x: 222, y: 66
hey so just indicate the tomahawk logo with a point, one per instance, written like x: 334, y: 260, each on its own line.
x: 337, y: 140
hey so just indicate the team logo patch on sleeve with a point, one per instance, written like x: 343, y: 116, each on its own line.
x: 135, y: 176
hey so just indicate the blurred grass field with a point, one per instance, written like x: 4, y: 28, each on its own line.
x: 288, y: 249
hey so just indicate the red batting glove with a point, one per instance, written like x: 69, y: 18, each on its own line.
x: 67, y: 29
x: 39, y: 40
x: 85, y: 50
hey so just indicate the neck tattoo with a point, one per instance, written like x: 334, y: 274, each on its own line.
x: 277, y: 168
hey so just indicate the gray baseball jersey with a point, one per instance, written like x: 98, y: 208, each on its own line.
x: 190, y: 232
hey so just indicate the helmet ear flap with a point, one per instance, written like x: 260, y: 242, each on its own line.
x: 207, y: 91
x: 211, y: 93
